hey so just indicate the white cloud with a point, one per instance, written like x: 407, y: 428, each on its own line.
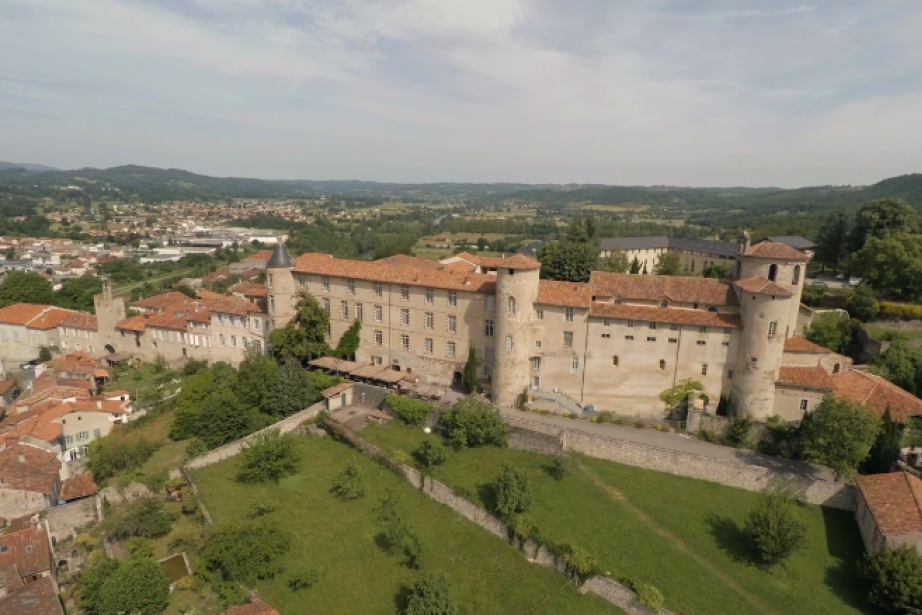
x: 705, y: 93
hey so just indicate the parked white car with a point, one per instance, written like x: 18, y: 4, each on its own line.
x: 854, y: 281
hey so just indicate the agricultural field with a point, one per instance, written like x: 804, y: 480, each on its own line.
x: 620, y: 208
x: 340, y: 539
x: 681, y: 535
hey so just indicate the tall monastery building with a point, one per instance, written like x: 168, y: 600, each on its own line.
x: 615, y: 342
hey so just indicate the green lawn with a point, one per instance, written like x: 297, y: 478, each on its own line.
x: 338, y: 538
x: 883, y: 332
x: 681, y: 535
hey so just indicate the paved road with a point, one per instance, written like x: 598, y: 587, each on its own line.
x: 676, y: 442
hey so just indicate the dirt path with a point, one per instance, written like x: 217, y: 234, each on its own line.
x: 717, y: 573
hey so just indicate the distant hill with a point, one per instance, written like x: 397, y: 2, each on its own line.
x: 33, y: 168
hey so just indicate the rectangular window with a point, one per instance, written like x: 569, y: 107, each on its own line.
x: 344, y: 310
x: 488, y: 303
x: 83, y: 435
x: 674, y: 327
x: 452, y: 323
x: 405, y: 342
x: 379, y: 313
x: 729, y: 374
x: 405, y: 292
x: 606, y: 336
x: 450, y: 350
x: 428, y: 345
x: 377, y: 360
x: 233, y: 340
x: 350, y: 284
x: 630, y: 323
x: 727, y: 330
x: 651, y: 325
x: 379, y: 289
x: 69, y: 439
x: 379, y: 337
x: 488, y: 328
x: 702, y: 329
x: 430, y: 296
x: 326, y: 305
x: 651, y: 339
x: 803, y: 405
x: 453, y: 298
x: 3, y: 335
x: 487, y: 354
x: 359, y: 311
x: 430, y: 320
x: 487, y: 371
x: 536, y: 363
x: 539, y: 314
x: 704, y: 369
x: 405, y: 316
x: 701, y: 342
x: 629, y: 338
x: 325, y: 282
x: 568, y: 314
x: 568, y: 339
x: 16, y: 336
x: 97, y: 433
x: 606, y: 322
x: 574, y: 365
x: 538, y: 344
x: 221, y: 339
x: 673, y: 340
x: 725, y: 343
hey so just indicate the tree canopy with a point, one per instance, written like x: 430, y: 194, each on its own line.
x: 891, y: 264
x: 305, y: 336
x: 569, y: 261
x: 25, y: 287
x: 881, y: 218
x: 838, y: 434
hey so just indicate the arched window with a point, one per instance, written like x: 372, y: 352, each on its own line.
x: 510, y: 306
x: 796, y: 274
x: 773, y: 272
x: 835, y: 368
x: 773, y: 328
x: 662, y: 364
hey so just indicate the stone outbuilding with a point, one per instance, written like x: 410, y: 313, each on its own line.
x: 889, y: 511
x: 338, y: 396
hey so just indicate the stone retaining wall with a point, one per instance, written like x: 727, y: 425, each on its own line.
x: 752, y: 471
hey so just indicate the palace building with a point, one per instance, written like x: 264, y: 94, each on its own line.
x: 614, y: 342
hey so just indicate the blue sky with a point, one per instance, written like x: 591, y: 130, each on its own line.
x: 695, y: 93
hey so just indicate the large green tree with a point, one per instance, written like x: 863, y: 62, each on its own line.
x: 292, y: 391
x: 863, y: 304
x: 570, y: 261
x: 895, y: 577
x: 23, y: 287
x: 78, y: 294
x: 832, y: 243
x: 305, y: 337
x: 616, y: 263
x: 668, y: 264
x: 255, y: 379
x: 223, y: 418
x: 838, y: 434
x: 892, y: 265
x: 138, y: 586
x: 881, y: 218
x: 886, y: 450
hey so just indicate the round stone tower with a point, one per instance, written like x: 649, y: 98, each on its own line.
x: 769, y: 285
x: 281, y: 285
x: 517, y: 280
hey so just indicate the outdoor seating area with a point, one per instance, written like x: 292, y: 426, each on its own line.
x: 380, y: 375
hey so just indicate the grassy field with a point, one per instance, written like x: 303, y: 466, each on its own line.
x: 679, y: 534
x: 339, y: 538
x: 883, y: 332
x: 621, y: 207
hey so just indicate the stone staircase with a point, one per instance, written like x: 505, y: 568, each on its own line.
x: 562, y: 400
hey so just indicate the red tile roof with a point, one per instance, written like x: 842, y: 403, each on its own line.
x: 808, y: 377
x: 172, y: 300
x: 34, y: 316
x: 803, y: 345
x: 326, y: 264
x: 36, y: 598
x: 248, y: 289
x: 894, y: 501
x: 262, y: 255
x: 768, y: 249
x: 403, y: 260
x: 257, y: 607
x: 570, y: 294
x: 674, y: 289
x: 27, y: 549
x: 79, y: 320
x: 78, y: 486
x: 761, y: 286
x: 679, y: 316
x: 36, y: 470
x: 132, y: 323
x: 878, y: 393
x: 336, y: 389
x: 519, y: 261
x: 6, y: 385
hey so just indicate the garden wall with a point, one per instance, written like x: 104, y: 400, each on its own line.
x: 752, y: 471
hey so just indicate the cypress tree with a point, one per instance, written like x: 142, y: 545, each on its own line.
x: 470, y: 372
x: 886, y: 449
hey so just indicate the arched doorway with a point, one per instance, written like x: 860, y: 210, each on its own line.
x: 110, y: 348
x: 456, y: 379
x: 773, y: 273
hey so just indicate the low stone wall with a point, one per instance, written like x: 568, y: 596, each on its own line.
x: 531, y: 440
x: 286, y: 425
x: 752, y: 471
x: 608, y: 589
x: 368, y: 396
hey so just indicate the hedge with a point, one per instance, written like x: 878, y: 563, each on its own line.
x: 410, y: 411
x: 900, y: 311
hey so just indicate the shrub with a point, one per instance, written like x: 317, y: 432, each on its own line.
x: 431, y: 454
x: 431, y: 595
x: 135, y: 586
x: 145, y: 517
x: 190, y: 504
x: 140, y: 548
x: 270, y: 457
x: 520, y: 527
x: 513, y: 493
x: 773, y: 527
x: 410, y: 411
x: 895, y: 577
x: 580, y: 563
x: 647, y: 595
x: 564, y: 465
x: 305, y: 579
x: 738, y: 435
x: 473, y: 422
x: 399, y: 540
x: 262, y: 504
x: 188, y: 538
x: 349, y: 484
x: 401, y: 457
x: 606, y: 416
x: 708, y: 436
x: 117, y: 453
x: 195, y: 448
x: 242, y: 553
x: 900, y: 311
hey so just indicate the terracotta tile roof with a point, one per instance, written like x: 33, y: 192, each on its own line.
x: 769, y: 249
x: 50, y: 319
x: 519, y: 261
x: 761, y: 286
x: 79, y: 320
x: 37, y: 472
x: 492, y: 262
x: 257, y: 607
x: 460, y: 266
x: 802, y: 344
x: 248, y: 289
x: 335, y: 390
x: 226, y: 304
x: 51, y: 394
x: 36, y: 598
x: 167, y: 301
x: 6, y: 385
x: 326, y: 264
x: 670, y: 315
x: 166, y: 321
x: 21, y: 313
x: 262, y: 255
x: 78, y: 486
x: 809, y: 377
x: 878, y: 393
x: 74, y: 361
x: 403, y: 260
x: 109, y: 406
x: 894, y: 501
x: 675, y: 289
x: 570, y: 294
x: 132, y: 323
x: 467, y: 256
x: 27, y: 549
